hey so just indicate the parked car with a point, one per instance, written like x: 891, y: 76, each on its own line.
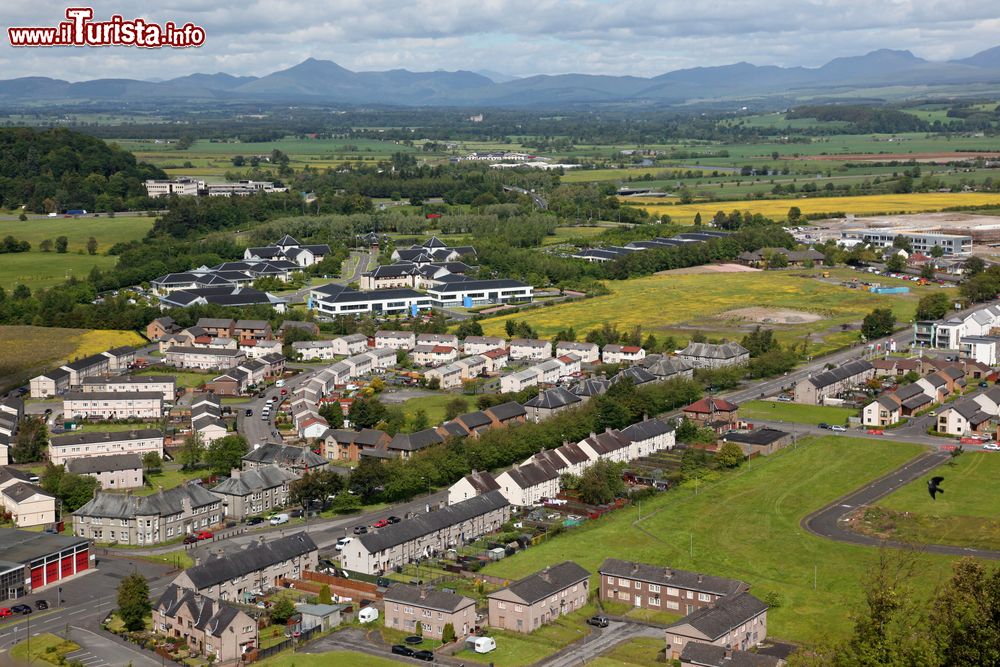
x: 426, y: 656
x: 838, y: 428
x: 393, y: 519
x: 992, y: 447
x: 876, y: 431
x: 598, y: 621
x: 296, y: 513
x: 984, y: 384
x: 343, y: 542
x: 5, y: 612
x: 399, y: 649
x: 41, y: 604
x: 360, y: 530
x: 823, y: 425
x: 190, y: 539
x: 205, y: 535
x: 22, y: 609
x: 278, y: 519
x: 381, y: 523
x: 284, y: 392
x: 254, y: 521
x: 249, y: 412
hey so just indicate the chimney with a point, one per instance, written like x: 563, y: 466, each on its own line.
x: 700, y: 578
x: 635, y: 568
x: 668, y: 573
x: 423, y: 592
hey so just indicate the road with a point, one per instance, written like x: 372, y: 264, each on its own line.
x: 828, y: 521
x: 599, y: 641
x: 537, y: 198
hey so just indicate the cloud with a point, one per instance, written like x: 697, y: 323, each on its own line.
x: 519, y: 37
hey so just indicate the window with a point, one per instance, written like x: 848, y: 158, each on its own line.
x: 704, y: 597
x: 124, y: 522
x: 407, y: 610
x: 690, y: 595
x: 518, y: 608
x: 654, y: 602
x: 624, y: 583
x: 653, y: 588
x: 501, y: 604
x: 671, y: 591
x: 673, y: 604
x: 677, y: 640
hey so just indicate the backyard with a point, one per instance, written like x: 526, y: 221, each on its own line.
x: 757, y: 538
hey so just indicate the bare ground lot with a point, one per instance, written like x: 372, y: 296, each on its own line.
x: 771, y: 316
x: 708, y: 268
x: 886, y: 157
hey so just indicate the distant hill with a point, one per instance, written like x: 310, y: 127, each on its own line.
x: 324, y: 81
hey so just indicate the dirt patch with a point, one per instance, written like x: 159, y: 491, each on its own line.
x: 888, y: 157
x: 708, y: 268
x: 771, y: 315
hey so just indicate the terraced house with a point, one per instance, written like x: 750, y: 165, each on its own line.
x: 64, y: 448
x: 249, y: 492
x: 160, y: 517
x: 662, y: 588
x: 212, y: 629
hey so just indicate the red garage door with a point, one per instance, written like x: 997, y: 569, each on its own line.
x: 52, y: 571
x: 82, y: 560
x: 37, y: 577
x: 67, y: 566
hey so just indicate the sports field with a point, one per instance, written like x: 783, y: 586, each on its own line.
x: 967, y: 514
x: 746, y: 526
x: 107, y: 231
x: 778, y: 208
x: 680, y: 305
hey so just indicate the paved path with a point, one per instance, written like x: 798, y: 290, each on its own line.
x: 100, y: 650
x: 828, y: 521
x: 599, y: 641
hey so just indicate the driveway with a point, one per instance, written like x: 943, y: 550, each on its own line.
x: 102, y: 650
x: 599, y: 641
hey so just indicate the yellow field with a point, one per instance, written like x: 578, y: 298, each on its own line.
x: 778, y: 208
x: 28, y: 351
x: 679, y: 305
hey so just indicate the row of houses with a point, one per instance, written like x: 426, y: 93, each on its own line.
x: 910, y: 399
x: 831, y: 383
x: 611, y: 253
x: 948, y: 333
x: 333, y: 299
x: 11, y: 414
x: 539, y: 477
x: 70, y: 376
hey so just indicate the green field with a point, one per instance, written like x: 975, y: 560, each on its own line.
x: 798, y: 413
x: 184, y: 379
x: 639, y: 652
x: 330, y: 659
x: 968, y: 514
x: 747, y: 526
x: 40, y: 270
x: 108, y: 231
x: 681, y: 304
x: 45, y: 649
x: 433, y: 405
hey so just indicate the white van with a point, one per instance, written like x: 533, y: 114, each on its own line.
x: 343, y: 542
x: 367, y: 615
x: 279, y: 384
x: 484, y: 644
x: 278, y: 519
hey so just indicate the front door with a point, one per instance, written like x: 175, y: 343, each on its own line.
x: 638, y: 600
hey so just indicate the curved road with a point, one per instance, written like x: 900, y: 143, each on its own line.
x: 827, y: 523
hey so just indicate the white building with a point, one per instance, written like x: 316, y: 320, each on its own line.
x: 395, y: 340
x: 529, y: 377
x: 109, y: 405
x: 481, y: 344
x: 589, y: 353
x: 622, y: 354
x: 63, y: 448
x: 530, y: 348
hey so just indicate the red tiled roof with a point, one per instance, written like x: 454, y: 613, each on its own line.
x: 497, y: 353
x: 442, y: 349
x: 708, y: 405
x: 631, y: 349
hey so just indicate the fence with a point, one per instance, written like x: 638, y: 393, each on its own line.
x: 356, y: 590
x: 261, y: 654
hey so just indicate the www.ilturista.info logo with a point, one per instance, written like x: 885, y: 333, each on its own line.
x: 80, y: 30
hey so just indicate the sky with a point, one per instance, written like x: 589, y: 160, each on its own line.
x: 513, y: 37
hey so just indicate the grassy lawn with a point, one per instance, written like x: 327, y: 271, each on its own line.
x: 331, y: 659
x: 40, y: 270
x: 107, y: 231
x: 179, y: 559
x: 640, y: 651
x: 433, y: 405
x: 184, y: 379
x: 110, y: 428
x: 46, y: 649
x: 393, y: 636
x: 746, y: 526
x: 968, y: 514
x: 705, y: 302
x: 170, y: 477
x: 795, y: 412
x: 28, y: 351
x: 515, y: 649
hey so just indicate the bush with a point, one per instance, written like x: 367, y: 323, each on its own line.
x: 448, y: 633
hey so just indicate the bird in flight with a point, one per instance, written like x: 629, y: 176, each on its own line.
x: 933, y: 486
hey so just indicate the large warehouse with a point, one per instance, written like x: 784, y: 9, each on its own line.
x: 31, y: 561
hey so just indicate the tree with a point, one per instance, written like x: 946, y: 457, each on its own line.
x: 75, y: 491
x: 903, y: 243
x: 366, y: 412
x: 192, y: 449
x: 455, y: 407
x: 226, y: 453
x: 878, y: 323
x: 31, y: 441
x: 896, y: 263
x: 325, y: 597
x: 21, y: 292
x: 469, y: 328
x: 759, y: 341
x: 933, y: 306
x: 448, y: 633
x: 973, y: 266
x: 345, y: 503
x: 697, y: 219
x: 927, y: 271
x: 315, y: 485
x: 62, y: 244
x: 368, y: 478
x: 419, y: 629
x: 151, y: 461
x: 937, y: 251
x: 601, y: 482
x: 333, y: 414
x: 964, y: 616
x: 282, y: 610
x: 91, y: 246
x: 420, y: 420
x: 133, y: 601
x: 729, y: 455
x: 45, y: 245
x: 794, y: 214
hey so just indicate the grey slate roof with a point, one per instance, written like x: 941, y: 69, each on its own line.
x: 426, y: 524
x: 476, y: 419
x: 288, y: 455
x: 21, y: 491
x: 482, y: 482
x: 532, y: 474
x: 551, y: 580
x: 710, y: 351
x: 840, y: 373
x: 211, y: 616
x: 712, y: 655
x: 427, y: 598
x: 591, y: 387
x: 664, y: 366
x: 760, y: 436
x: 728, y: 612
x: 667, y: 576
x: 506, y: 411
x: 7, y: 473
x: 647, y: 429
x: 637, y: 374
x: 99, y: 464
x: 411, y: 442
x: 116, y: 436
x: 163, y: 503
x: 253, y: 481
x: 551, y: 399
x: 252, y: 559
x: 573, y: 453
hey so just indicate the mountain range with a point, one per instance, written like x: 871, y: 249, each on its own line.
x: 880, y: 74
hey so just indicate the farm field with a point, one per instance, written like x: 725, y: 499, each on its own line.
x: 703, y: 302
x: 107, y: 231
x: 28, y: 351
x: 797, y: 413
x: 40, y: 270
x: 864, y: 205
x: 757, y: 538
x: 966, y: 515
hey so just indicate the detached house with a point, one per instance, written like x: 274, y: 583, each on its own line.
x: 965, y: 417
x: 883, y: 411
x: 550, y: 402
x: 481, y: 344
x: 707, y: 355
x: 589, y: 353
x: 717, y: 413
x: 395, y: 340
x: 540, y: 598
x: 622, y: 354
